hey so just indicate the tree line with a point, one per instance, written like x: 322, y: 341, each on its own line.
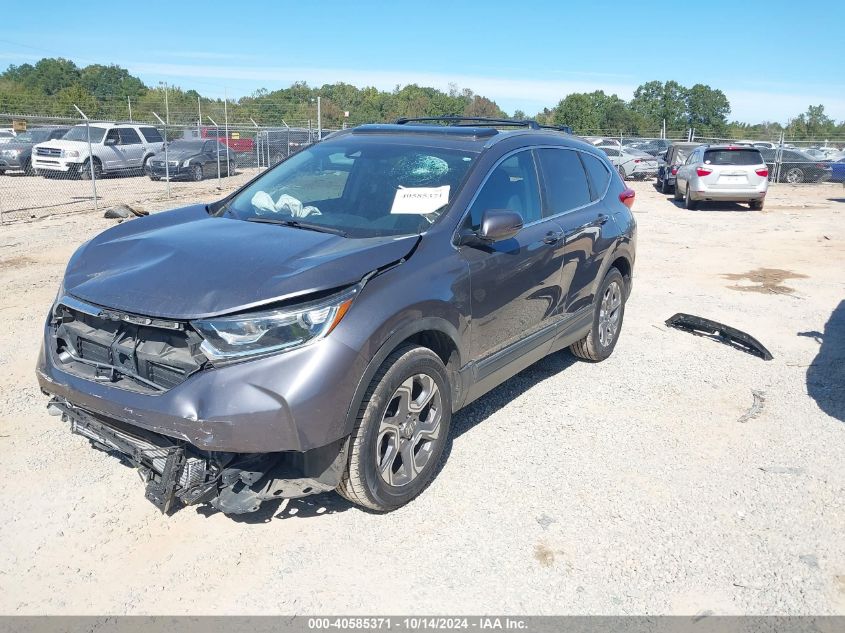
x: 52, y: 86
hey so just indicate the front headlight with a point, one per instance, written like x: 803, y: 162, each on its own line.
x: 187, y: 163
x: 70, y: 153
x: 273, y: 330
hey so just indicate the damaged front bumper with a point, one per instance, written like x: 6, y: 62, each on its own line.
x: 234, y: 483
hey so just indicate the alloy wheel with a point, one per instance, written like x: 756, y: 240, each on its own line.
x: 408, y: 431
x: 609, y: 312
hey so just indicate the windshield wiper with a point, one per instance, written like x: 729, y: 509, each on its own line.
x: 296, y: 224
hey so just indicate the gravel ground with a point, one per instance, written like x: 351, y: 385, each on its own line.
x: 628, y: 486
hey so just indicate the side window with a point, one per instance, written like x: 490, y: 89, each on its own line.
x: 598, y: 174
x: 511, y: 185
x: 208, y: 148
x: 128, y: 136
x: 565, y: 180
x: 609, y: 151
x: 152, y: 135
x: 113, y: 136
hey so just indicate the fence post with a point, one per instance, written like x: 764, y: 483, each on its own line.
x: 226, y: 123
x: 166, y: 162
x: 90, y: 158
x: 319, y: 121
x: 257, y: 155
x: 217, y: 143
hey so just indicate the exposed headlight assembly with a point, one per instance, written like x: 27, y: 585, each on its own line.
x: 275, y: 330
x: 187, y: 163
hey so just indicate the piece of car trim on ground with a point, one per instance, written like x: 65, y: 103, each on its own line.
x: 719, y: 332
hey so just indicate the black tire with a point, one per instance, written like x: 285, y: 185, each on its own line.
x: 196, y: 173
x: 85, y: 170
x: 676, y: 193
x: 665, y: 188
x: 28, y: 169
x: 594, y: 346
x: 277, y: 158
x: 362, y: 482
x: 154, y: 177
x: 689, y: 203
x: 145, y: 164
x: 621, y: 171
x: 756, y: 205
x: 794, y: 176
x: 2, y: 172
x: 232, y: 169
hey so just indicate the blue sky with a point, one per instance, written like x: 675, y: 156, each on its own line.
x: 771, y: 60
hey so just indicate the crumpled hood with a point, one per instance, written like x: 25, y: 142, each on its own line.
x: 185, y: 264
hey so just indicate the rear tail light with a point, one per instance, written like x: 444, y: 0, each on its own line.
x: 703, y: 171
x: 674, y: 171
x: 627, y: 197
x: 821, y: 165
x: 762, y: 172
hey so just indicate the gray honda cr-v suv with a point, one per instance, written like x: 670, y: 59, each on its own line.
x: 318, y: 328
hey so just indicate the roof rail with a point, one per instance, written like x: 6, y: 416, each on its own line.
x: 480, y: 120
x: 459, y: 120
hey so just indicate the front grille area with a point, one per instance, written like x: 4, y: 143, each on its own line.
x: 48, y: 151
x: 102, y: 345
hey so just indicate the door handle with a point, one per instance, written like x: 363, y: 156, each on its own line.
x: 553, y: 237
x: 602, y: 219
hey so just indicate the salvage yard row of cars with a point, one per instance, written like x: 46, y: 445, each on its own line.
x: 115, y: 148
x: 133, y: 149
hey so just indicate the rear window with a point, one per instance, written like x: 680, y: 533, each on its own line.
x: 598, y: 173
x: 745, y: 156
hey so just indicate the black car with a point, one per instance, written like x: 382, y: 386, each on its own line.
x: 192, y: 160
x: 317, y: 328
x: 794, y: 167
x: 16, y: 155
x: 675, y: 156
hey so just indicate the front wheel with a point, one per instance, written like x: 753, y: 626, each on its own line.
x: 401, y: 430
x: 607, y: 320
x: 196, y: 173
x: 85, y: 170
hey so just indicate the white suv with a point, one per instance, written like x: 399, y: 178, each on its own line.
x: 116, y: 147
x: 728, y: 173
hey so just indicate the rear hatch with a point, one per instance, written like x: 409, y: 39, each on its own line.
x: 733, y: 168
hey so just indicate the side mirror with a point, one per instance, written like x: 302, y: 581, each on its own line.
x: 496, y: 225
x: 110, y: 140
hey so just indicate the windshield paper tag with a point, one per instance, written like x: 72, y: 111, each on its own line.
x: 420, y: 200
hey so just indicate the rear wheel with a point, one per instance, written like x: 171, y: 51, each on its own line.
x: 400, y: 432
x: 794, y: 175
x: 689, y: 203
x: 607, y: 320
x: 621, y: 171
x: 664, y: 186
x: 756, y: 205
x: 676, y: 194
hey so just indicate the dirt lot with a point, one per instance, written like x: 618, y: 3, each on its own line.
x: 628, y: 486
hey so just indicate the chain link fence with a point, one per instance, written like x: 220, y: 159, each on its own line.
x: 63, y: 165
x: 51, y: 165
